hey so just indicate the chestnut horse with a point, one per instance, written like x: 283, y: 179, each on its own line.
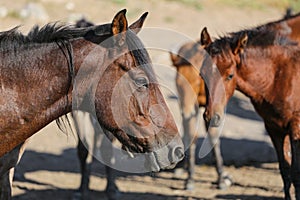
x: 45, y: 74
x: 265, y: 66
x: 191, y: 90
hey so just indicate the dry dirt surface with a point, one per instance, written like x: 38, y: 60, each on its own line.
x: 49, y: 168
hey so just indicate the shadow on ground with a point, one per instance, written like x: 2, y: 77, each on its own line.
x: 59, y: 194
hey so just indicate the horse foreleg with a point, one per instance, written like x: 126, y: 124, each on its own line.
x: 224, y: 179
x: 189, y: 127
x: 85, y: 159
x: 190, y: 183
x: 295, y: 146
x: 7, y: 164
x: 5, y: 189
x: 112, y: 190
x: 281, y: 143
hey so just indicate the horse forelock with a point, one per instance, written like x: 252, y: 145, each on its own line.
x: 51, y: 32
x: 140, y: 54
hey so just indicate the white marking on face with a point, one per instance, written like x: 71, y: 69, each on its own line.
x: 215, y: 69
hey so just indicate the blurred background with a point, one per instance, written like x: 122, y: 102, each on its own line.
x: 49, y: 168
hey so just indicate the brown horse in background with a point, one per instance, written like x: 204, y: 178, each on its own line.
x: 46, y: 74
x: 263, y: 64
x: 191, y: 90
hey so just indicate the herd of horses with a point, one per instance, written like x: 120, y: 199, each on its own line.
x: 103, y: 73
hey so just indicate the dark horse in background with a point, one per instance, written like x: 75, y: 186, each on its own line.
x: 88, y: 147
x: 44, y: 75
x: 264, y: 64
x: 192, y: 95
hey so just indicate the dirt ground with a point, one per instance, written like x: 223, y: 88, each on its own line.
x: 49, y: 168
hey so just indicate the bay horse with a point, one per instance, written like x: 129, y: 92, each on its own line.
x: 264, y: 65
x: 44, y: 74
x: 191, y: 90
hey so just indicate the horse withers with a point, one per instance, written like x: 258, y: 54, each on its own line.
x: 56, y: 63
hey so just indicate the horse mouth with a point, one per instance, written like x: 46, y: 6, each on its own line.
x: 166, y: 157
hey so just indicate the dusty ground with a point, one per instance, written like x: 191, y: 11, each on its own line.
x: 50, y: 170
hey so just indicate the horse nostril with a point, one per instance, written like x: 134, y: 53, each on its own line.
x: 178, y: 154
x: 216, y: 120
x: 206, y: 116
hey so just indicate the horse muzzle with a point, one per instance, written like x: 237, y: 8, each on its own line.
x: 212, y: 121
x: 166, y: 157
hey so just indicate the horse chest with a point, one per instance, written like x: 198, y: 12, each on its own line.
x: 273, y: 114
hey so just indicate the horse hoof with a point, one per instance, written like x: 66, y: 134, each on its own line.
x: 77, y: 196
x: 178, y: 172
x: 225, y: 182
x: 114, y: 196
x: 190, y: 185
x: 113, y: 193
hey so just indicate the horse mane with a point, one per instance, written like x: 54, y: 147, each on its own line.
x: 262, y: 37
x: 51, y: 32
x: 59, y: 33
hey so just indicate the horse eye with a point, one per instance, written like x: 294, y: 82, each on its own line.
x: 229, y: 77
x: 141, y: 82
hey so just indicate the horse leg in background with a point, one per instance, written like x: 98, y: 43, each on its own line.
x: 281, y: 143
x: 224, y: 180
x: 86, y: 143
x: 106, y: 150
x: 295, y: 146
x: 85, y: 159
x: 189, y: 137
x: 92, y: 139
x: 8, y: 163
x: 5, y: 189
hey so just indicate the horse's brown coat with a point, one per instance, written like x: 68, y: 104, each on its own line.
x: 37, y: 81
x: 189, y: 84
x: 264, y: 65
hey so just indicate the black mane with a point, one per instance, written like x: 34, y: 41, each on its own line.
x: 262, y: 36
x: 52, y: 32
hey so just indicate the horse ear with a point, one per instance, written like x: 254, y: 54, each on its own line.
x: 241, y: 44
x: 205, y: 37
x: 174, y: 58
x: 136, y: 26
x: 119, y: 26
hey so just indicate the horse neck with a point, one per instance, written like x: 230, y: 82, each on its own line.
x: 255, y: 76
x: 89, y: 65
x: 35, y: 81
